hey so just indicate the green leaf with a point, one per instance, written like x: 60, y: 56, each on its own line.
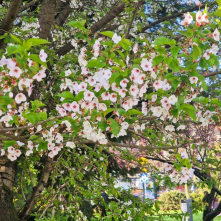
x: 31, y: 118
x: 66, y: 94
x: 174, y: 51
x: 107, y: 33
x: 201, y: 99
x: 126, y: 41
x: 13, y: 49
x: 77, y: 24
x: 187, y: 163
x: 36, y: 41
x: 157, y: 60
x: 113, y: 77
x: 79, y: 96
x: 216, y: 102
x: 121, y: 54
x: 108, y: 111
x: 114, y: 126
x: 3, y: 36
x: 134, y: 112
x: 122, y: 111
x: 95, y: 63
x: 103, y: 125
x: 218, y: 2
x: 174, y: 112
x: 119, y: 61
x: 36, y: 58
x: 196, y: 52
x: 204, y: 86
x: 36, y: 104
x: 190, y: 110
x: 16, y: 39
x: 174, y: 65
x: 43, y: 145
x: 43, y: 115
x: 164, y: 41
x: 9, y: 143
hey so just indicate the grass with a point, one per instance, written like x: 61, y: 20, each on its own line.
x: 196, y: 217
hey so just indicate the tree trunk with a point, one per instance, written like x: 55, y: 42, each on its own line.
x: 7, y: 175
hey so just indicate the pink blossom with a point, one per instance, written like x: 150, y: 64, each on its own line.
x: 113, y: 97
x: 105, y: 96
x: 15, y: 72
x: 122, y: 92
x: 134, y: 90
x: 42, y: 55
x: 146, y: 65
x: 193, y: 80
x: 216, y: 35
x: 124, y: 83
x: 116, y: 39
x: 20, y: 98
x: 158, y: 84
x: 62, y: 112
x: 39, y: 76
x: 88, y: 95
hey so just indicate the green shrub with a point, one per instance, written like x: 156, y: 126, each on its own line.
x: 171, y: 200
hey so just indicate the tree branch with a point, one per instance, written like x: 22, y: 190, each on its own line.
x: 45, y: 173
x: 47, y: 12
x: 10, y: 17
x: 171, y: 17
x: 132, y: 19
x: 28, y: 5
x: 95, y: 27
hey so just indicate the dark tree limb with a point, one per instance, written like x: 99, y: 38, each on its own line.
x: 63, y: 15
x: 213, y: 214
x: 10, y: 17
x: 29, y: 205
x: 107, y: 18
x: 96, y: 26
x: 28, y: 5
x: 133, y: 16
x: 212, y: 74
x: 176, y: 15
x: 46, y: 19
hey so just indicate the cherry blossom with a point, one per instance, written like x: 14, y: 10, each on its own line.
x: 88, y: 95
x: 170, y: 128
x: 15, y: 72
x: 42, y: 55
x: 172, y: 99
x: 193, y: 80
x: 187, y: 19
x: 20, y: 98
x: 158, y: 84
x: 39, y: 76
x: 146, y: 65
x: 116, y: 39
x: 216, y: 35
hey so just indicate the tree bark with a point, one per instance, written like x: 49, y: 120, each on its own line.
x: 7, y: 175
x: 42, y: 182
x: 46, y: 17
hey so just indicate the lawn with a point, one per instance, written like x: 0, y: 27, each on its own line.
x: 196, y: 217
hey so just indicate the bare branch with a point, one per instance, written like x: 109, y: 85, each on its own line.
x: 95, y: 27
x: 10, y: 17
x: 28, y: 5
x: 176, y: 15
x: 45, y: 173
x: 47, y: 12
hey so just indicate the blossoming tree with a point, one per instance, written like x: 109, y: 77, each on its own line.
x: 83, y: 84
